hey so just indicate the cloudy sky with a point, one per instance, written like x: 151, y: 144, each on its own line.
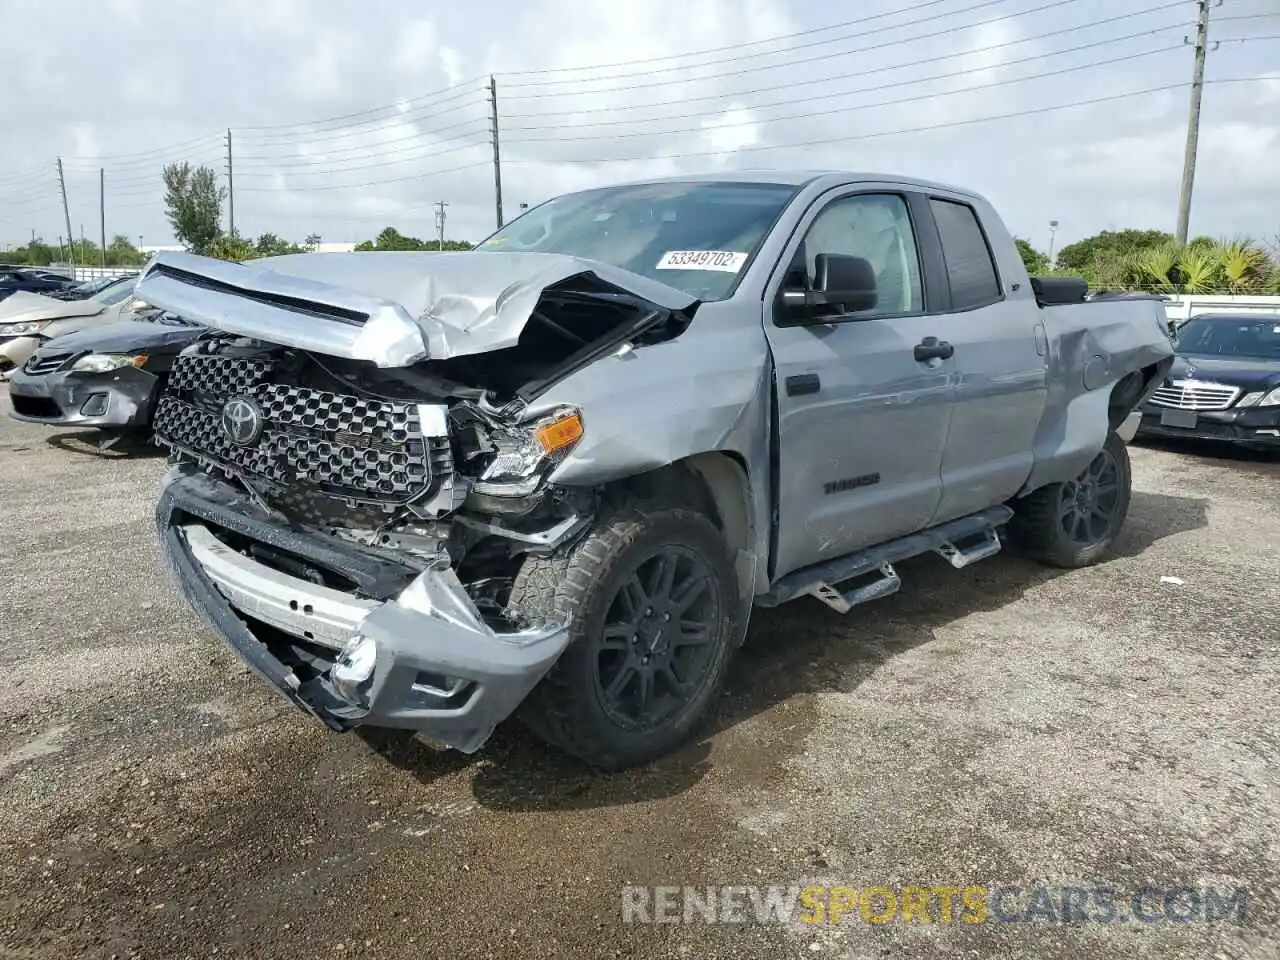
x: 348, y: 115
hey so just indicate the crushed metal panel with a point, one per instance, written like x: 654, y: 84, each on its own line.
x: 418, y: 305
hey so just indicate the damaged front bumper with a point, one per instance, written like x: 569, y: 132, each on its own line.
x: 404, y: 649
x: 122, y: 398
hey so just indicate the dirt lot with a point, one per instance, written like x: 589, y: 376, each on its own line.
x: 1001, y: 725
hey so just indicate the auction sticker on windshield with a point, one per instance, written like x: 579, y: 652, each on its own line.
x: 725, y: 261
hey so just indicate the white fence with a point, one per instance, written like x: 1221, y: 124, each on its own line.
x: 1183, y: 307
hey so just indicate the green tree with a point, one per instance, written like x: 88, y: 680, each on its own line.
x: 229, y: 246
x: 392, y: 239
x: 1078, y: 257
x: 122, y: 253
x: 270, y: 245
x: 1035, y: 261
x: 193, y: 204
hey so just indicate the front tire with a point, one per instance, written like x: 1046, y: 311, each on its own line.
x: 650, y: 597
x: 1073, y: 523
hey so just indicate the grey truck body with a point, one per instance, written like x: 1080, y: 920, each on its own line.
x: 818, y: 441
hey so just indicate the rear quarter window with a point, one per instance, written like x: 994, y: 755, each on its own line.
x: 971, y: 271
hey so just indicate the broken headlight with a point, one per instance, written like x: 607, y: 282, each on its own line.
x: 524, y: 454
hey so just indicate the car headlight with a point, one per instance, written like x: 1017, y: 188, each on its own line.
x: 524, y: 455
x: 106, y: 362
x: 23, y: 329
x: 1272, y: 399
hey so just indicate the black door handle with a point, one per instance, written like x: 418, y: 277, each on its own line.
x: 931, y: 348
x: 802, y: 384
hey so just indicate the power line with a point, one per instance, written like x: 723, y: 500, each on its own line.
x: 1053, y: 4
x: 828, y: 111
x: 340, y: 133
x: 370, y: 183
x: 851, y: 138
x: 428, y: 136
x: 323, y: 169
x: 722, y: 96
x: 443, y: 96
x: 733, y: 46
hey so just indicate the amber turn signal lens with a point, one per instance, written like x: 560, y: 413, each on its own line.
x: 559, y: 434
x: 140, y: 361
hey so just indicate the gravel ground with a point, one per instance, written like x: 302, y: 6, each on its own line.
x: 1003, y: 724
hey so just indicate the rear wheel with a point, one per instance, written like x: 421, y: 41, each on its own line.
x: 1074, y: 522
x: 650, y: 598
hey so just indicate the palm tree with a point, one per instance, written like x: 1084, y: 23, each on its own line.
x: 1244, y: 266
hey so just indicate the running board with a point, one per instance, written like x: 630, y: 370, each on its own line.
x: 960, y: 542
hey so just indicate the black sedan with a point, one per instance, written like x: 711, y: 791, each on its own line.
x: 108, y: 377
x: 13, y: 279
x: 1224, y: 385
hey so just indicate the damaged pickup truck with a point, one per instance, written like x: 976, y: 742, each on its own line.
x: 551, y: 477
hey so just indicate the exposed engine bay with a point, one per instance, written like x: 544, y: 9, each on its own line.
x: 440, y: 459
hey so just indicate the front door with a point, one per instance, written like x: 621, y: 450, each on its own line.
x: 862, y: 423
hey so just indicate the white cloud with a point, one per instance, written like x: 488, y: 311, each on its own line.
x: 176, y: 76
x: 418, y: 48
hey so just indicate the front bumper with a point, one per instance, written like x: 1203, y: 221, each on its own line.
x: 120, y: 398
x: 1252, y: 426
x: 439, y: 667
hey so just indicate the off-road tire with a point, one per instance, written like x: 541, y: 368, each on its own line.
x: 568, y: 708
x: 1040, y: 530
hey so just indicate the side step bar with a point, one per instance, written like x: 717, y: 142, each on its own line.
x: 959, y: 542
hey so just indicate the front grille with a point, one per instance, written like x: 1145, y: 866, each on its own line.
x: 42, y: 363
x: 311, y: 441
x: 1195, y: 395
x: 41, y: 408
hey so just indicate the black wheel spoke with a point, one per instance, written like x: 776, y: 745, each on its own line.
x: 645, y: 693
x: 634, y: 599
x: 687, y: 594
x: 619, y: 682
x: 664, y: 575
x: 692, y: 635
x: 680, y: 687
x: 616, y: 637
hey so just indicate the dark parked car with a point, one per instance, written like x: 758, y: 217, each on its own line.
x: 13, y: 279
x: 1224, y: 385
x: 106, y: 377
x: 98, y: 285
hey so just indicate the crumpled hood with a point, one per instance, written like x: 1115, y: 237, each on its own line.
x: 392, y: 309
x: 26, y: 307
x: 1248, y: 373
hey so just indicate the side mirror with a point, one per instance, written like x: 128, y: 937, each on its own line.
x: 841, y: 284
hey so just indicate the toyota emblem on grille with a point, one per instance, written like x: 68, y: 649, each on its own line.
x: 242, y: 421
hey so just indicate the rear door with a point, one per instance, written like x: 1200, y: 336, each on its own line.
x: 1000, y: 360
x: 861, y: 422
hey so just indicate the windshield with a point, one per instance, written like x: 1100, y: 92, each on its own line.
x: 90, y: 287
x: 113, y: 295
x: 696, y: 237
x: 1244, y: 337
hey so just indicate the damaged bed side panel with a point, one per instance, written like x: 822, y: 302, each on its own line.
x: 1092, y: 347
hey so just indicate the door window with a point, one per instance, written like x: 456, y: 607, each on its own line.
x: 877, y: 228
x: 970, y: 269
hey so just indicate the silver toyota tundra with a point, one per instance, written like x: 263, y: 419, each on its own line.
x: 551, y: 477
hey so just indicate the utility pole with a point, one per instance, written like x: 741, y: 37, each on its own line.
x: 1193, y: 121
x: 102, y: 212
x: 66, y: 212
x: 440, y: 217
x: 1053, y: 233
x: 231, y: 186
x: 497, y: 158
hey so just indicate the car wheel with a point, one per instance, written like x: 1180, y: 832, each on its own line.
x: 1073, y: 523
x: 650, y: 598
